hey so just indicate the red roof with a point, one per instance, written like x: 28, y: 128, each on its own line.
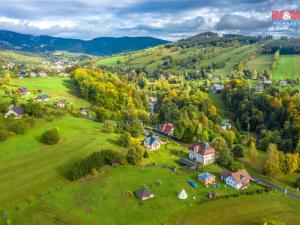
x: 166, y: 128
x: 202, y: 148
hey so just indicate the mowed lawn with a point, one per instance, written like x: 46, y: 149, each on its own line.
x: 287, y: 68
x: 28, y: 167
x: 103, y: 200
x: 260, y: 63
x: 55, y: 87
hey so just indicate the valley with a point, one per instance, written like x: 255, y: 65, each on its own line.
x: 227, y: 106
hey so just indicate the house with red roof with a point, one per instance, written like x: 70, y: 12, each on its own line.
x: 166, y: 128
x: 202, y: 153
x: 23, y: 91
x: 237, y: 180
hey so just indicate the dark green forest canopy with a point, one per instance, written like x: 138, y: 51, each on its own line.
x: 274, y: 115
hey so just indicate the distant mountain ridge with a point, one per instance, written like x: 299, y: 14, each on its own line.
x: 97, y: 46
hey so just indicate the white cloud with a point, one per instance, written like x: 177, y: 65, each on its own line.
x: 169, y: 19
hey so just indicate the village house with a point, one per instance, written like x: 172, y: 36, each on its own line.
x: 144, y: 194
x: 217, y: 87
x: 63, y: 74
x: 16, y: 111
x: 33, y: 74
x: 23, y: 91
x: 206, y: 178
x: 41, y: 98
x: 21, y: 76
x: 151, y: 142
x: 259, y: 87
x: 237, y: 180
x: 43, y: 74
x: 61, y: 103
x: 83, y: 111
x: 267, y: 81
x: 226, y: 124
x: 166, y: 128
x: 202, y: 153
x: 283, y: 83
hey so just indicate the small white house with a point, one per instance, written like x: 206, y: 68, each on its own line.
x: 217, y: 87
x: 226, y: 124
x: 33, y: 74
x: 16, y: 111
x: 43, y: 74
x: 151, y: 142
x: 283, y: 83
x: 237, y: 180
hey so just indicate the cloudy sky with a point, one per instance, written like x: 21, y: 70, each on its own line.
x: 167, y: 19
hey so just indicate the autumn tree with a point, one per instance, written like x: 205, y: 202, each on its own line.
x: 291, y: 162
x: 252, y: 151
x: 271, y: 167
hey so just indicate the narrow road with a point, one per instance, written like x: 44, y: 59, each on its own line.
x: 257, y: 179
x: 275, y: 187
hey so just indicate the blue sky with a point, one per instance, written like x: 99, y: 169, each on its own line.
x: 167, y: 19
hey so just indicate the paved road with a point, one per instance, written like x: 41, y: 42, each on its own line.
x: 275, y: 187
x: 263, y: 181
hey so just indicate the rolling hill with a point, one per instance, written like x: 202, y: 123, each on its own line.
x: 98, y: 46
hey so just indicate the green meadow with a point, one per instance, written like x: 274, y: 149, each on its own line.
x: 55, y: 87
x: 260, y: 63
x: 287, y: 68
x: 29, y: 167
x: 104, y: 200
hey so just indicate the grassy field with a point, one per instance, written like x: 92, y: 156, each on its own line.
x: 101, y: 200
x: 21, y: 57
x: 287, y: 68
x: 28, y: 167
x: 151, y: 59
x: 55, y: 87
x: 260, y: 63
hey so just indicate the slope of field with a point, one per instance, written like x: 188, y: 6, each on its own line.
x: 21, y: 57
x: 287, y: 68
x: 182, y: 60
x: 55, y: 87
x: 260, y: 63
x: 103, y: 200
x: 28, y: 167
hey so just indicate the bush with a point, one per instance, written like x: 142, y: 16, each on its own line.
x: 298, y: 183
x: 146, y: 154
x: 134, y: 155
x: 94, y: 161
x: 225, y: 157
x: 125, y: 139
x: 238, y: 151
x: 108, y: 126
x: 235, y: 166
x: 51, y: 137
x: 94, y: 172
x: 3, y: 135
x: 18, y: 127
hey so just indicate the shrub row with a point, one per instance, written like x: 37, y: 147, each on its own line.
x: 94, y: 161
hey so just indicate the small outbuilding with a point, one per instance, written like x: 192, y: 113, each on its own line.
x: 144, y: 194
x: 206, y: 178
